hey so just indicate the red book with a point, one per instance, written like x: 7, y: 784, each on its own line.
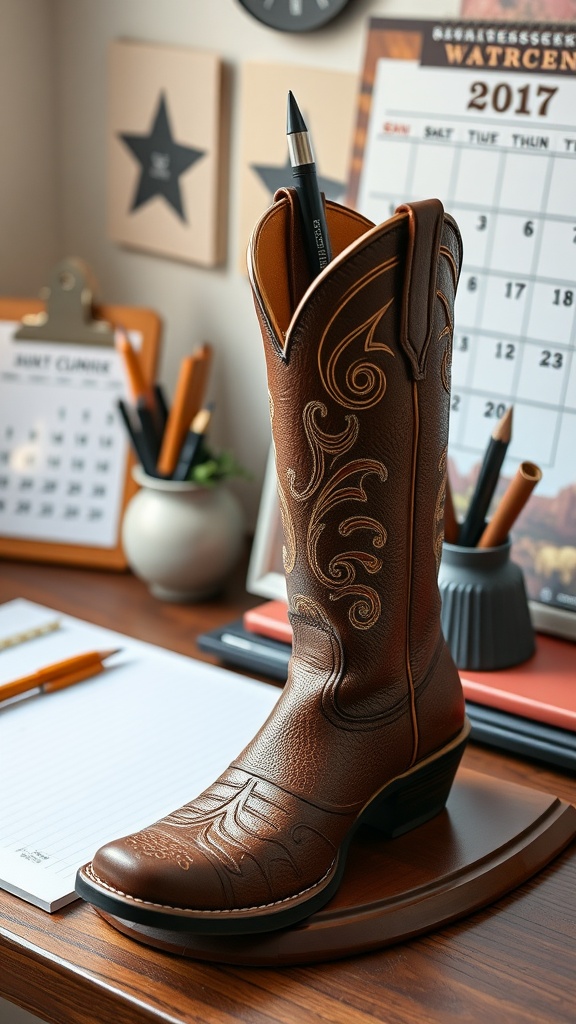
x: 543, y: 688
x: 269, y: 619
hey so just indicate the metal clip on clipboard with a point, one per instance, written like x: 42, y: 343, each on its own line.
x: 68, y: 314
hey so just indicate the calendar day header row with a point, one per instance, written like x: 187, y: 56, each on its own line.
x: 481, y: 136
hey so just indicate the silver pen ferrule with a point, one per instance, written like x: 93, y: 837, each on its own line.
x: 299, y: 149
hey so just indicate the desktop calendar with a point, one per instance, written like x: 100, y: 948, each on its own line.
x: 65, y: 464
x: 63, y: 451
x: 484, y: 118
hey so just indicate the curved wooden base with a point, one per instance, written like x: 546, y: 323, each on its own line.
x: 492, y: 836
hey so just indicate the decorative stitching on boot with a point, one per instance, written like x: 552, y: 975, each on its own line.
x: 311, y: 614
x: 438, y: 522
x: 364, y: 380
x: 321, y: 444
x: 341, y: 577
x: 444, y: 251
x: 91, y: 874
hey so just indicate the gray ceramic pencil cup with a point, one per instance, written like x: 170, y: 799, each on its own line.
x: 485, y: 614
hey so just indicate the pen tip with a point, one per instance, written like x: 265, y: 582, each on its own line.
x: 294, y: 120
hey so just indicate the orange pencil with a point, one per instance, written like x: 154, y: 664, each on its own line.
x: 188, y: 398
x: 513, y: 500
x: 201, y: 379
x: 137, y: 383
x: 58, y: 675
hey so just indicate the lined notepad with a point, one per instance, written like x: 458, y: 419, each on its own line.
x: 85, y: 765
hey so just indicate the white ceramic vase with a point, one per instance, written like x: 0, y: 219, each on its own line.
x: 182, y: 539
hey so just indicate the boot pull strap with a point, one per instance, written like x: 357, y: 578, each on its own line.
x: 425, y: 222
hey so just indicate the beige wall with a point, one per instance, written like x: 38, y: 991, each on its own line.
x: 53, y: 96
x: 28, y: 120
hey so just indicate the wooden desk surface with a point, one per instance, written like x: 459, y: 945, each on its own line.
x: 513, y: 963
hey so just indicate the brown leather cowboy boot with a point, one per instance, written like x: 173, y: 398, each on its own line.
x: 370, y: 726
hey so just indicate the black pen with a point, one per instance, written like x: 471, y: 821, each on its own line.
x: 473, y: 526
x: 135, y: 433
x: 149, y: 428
x: 161, y: 408
x: 316, y: 238
x: 193, y: 444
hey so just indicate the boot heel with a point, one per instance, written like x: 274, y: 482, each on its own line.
x: 415, y: 798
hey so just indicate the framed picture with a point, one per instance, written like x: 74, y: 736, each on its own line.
x: 265, y: 571
x: 168, y: 151
x: 264, y: 163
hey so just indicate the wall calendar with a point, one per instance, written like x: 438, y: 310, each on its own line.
x: 483, y: 116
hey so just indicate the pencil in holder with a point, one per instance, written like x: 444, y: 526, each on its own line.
x: 485, y: 614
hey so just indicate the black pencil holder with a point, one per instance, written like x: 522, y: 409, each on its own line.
x: 485, y: 615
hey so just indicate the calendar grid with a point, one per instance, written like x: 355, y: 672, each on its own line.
x: 487, y: 273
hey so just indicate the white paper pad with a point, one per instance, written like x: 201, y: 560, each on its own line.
x: 108, y: 756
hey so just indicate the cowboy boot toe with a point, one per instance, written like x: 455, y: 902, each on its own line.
x: 243, y: 849
x: 152, y: 869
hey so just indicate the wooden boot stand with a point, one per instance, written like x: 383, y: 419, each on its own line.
x: 491, y: 837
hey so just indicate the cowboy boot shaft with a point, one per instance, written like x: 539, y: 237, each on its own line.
x: 359, y: 397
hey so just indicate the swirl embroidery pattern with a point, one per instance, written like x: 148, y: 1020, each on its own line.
x: 445, y: 370
x: 364, y: 380
x: 447, y: 332
x: 341, y: 575
x: 345, y: 485
x: 321, y: 444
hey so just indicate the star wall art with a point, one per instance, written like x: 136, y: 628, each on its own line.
x: 167, y: 151
x: 162, y: 160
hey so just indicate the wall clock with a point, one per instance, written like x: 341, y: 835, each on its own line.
x: 294, y: 15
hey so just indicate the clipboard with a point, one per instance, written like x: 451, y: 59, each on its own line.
x: 65, y: 461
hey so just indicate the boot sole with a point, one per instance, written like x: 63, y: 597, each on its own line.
x: 402, y: 805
